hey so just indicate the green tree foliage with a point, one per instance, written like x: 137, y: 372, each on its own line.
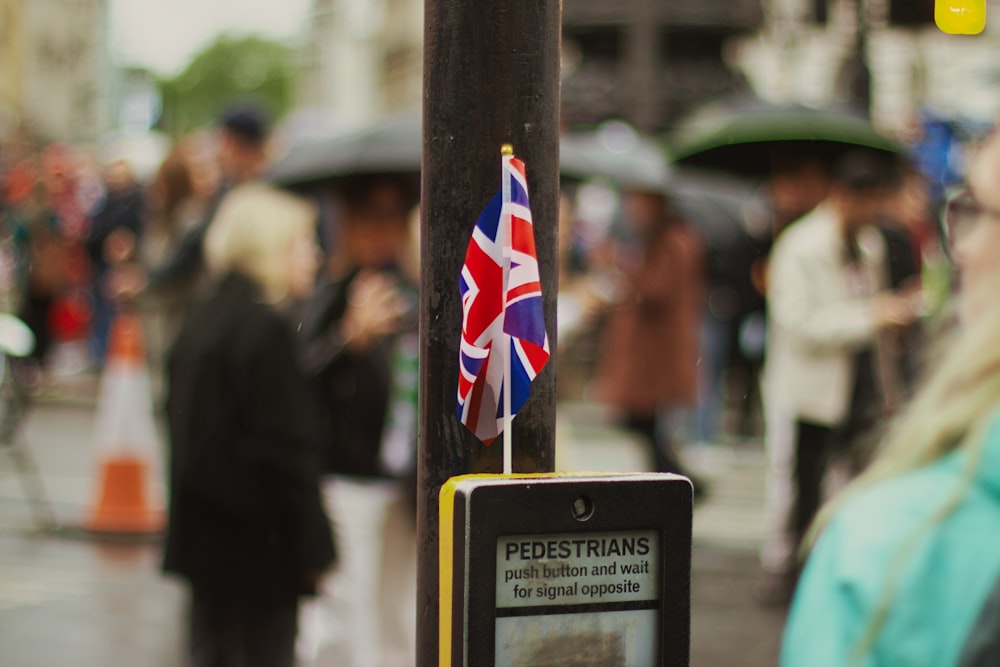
x: 231, y: 69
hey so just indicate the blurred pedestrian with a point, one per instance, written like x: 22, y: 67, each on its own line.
x: 360, y: 347
x: 181, y: 196
x: 579, y: 304
x: 247, y: 529
x: 829, y: 376
x: 70, y: 187
x: 906, y: 568
x: 907, y: 225
x: 912, y: 245
x: 36, y: 191
x: 242, y: 154
x: 734, y: 220
x: 114, y: 228
x: 796, y: 184
x: 648, y: 367
x: 35, y: 246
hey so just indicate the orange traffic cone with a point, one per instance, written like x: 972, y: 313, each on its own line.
x: 128, y: 501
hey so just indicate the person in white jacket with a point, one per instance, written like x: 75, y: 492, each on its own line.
x: 828, y: 369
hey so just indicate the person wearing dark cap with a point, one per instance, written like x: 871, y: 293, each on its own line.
x: 828, y: 375
x: 243, y: 136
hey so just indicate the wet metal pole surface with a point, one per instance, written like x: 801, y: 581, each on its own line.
x: 491, y: 76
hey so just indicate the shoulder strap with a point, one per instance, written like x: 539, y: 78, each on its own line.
x: 982, y: 647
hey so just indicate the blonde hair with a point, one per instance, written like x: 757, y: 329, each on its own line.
x: 253, y: 232
x: 951, y: 412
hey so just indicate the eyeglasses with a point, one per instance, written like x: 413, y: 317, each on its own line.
x: 963, y: 212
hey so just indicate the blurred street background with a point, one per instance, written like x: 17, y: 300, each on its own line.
x: 70, y: 599
x: 106, y: 105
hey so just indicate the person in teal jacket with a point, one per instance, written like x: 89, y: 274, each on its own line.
x: 905, y: 571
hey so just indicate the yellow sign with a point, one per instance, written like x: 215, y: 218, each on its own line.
x: 960, y: 17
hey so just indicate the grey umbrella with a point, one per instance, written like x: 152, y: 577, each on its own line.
x: 616, y: 153
x: 387, y: 147
x: 723, y: 208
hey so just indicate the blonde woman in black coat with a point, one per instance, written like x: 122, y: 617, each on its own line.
x: 247, y: 529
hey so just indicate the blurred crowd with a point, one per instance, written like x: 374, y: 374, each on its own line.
x: 865, y: 310
x: 284, y: 342
x: 795, y: 307
x: 69, y: 216
x: 664, y: 292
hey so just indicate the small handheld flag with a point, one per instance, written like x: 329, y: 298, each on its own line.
x: 504, y: 343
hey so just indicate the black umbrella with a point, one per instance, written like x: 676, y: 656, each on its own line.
x: 614, y: 152
x: 747, y: 136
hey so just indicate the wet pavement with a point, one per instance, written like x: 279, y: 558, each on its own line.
x: 68, y: 599
x: 65, y: 598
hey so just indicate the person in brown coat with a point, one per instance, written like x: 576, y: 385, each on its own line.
x: 649, y: 353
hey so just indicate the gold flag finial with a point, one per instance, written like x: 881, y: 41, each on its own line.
x: 507, y: 150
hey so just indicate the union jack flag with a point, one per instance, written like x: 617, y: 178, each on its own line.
x: 501, y: 308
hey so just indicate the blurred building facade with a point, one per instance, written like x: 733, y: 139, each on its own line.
x: 649, y: 62
x: 802, y: 49
x: 54, y: 68
x: 361, y: 59
x: 646, y: 62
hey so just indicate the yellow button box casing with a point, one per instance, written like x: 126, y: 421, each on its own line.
x: 960, y: 17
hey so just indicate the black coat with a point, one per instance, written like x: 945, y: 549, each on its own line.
x: 245, y: 510
x: 351, y: 388
x: 121, y: 209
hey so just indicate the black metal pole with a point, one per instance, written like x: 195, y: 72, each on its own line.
x: 491, y: 76
x: 642, y: 63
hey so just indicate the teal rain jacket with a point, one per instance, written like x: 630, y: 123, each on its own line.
x: 942, y: 573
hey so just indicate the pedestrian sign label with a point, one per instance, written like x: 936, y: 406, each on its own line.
x: 577, y: 569
x: 571, y: 593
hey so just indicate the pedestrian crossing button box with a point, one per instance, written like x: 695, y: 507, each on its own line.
x: 552, y: 570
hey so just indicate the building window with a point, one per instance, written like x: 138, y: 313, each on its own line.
x: 602, y: 43
x: 911, y: 13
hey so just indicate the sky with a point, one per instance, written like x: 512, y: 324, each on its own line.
x: 163, y: 35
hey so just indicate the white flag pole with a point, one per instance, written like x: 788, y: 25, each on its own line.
x: 506, y: 153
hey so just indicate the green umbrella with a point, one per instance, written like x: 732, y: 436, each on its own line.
x: 747, y: 136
